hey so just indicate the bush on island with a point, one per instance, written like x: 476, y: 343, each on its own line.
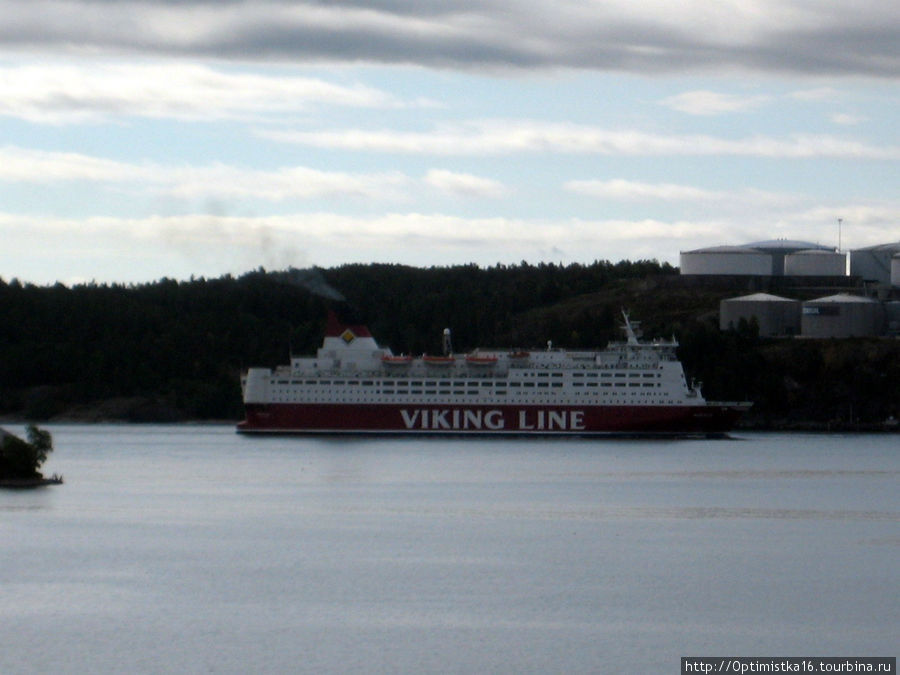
x: 21, y: 459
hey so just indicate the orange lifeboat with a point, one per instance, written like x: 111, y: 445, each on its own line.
x: 438, y: 360
x: 396, y: 360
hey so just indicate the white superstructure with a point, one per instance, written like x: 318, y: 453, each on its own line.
x: 351, y: 368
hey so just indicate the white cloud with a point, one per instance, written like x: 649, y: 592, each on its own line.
x: 627, y: 190
x: 464, y: 184
x: 511, y: 136
x: 222, y: 181
x: 219, y: 181
x: 713, y: 103
x: 38, y: 166
x: 354, y: 233
x: 91, y: 92
x: 846, y: 119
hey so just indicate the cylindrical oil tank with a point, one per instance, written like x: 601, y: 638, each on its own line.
x: 895, y: 271
x: 728, y: 260
x: 874, y: 263
x: 779, y: 249
x: 774, y: 315
x: 815, y: 263
x: 842, y: 316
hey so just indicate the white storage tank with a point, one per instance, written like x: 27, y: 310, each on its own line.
x: 815, y: 263
x: 779, y: 249
x: 774, y: 315
x: 840, y: 316
x: 895, y: 271
x: 727, y: 260
x: 874, y: 263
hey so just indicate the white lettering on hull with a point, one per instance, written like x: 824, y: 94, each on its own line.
x: 463, y: 419
x: 494, y: 420
x: 551, y: 420
x: 409, y: 420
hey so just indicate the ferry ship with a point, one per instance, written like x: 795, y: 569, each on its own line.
x: 353, y: 385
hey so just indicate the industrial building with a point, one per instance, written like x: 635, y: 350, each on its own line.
x: 773, y: 314
x: 803, y: 268
x: 875, y: 263
x: 765, y: 258
x: 840, y: 316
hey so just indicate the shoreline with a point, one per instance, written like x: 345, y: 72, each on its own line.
x: 29, y: 483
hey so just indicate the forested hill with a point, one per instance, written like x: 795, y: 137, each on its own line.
x: 169, y: 350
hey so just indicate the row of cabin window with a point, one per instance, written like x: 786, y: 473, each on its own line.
x: 460, y: 383
x: 398, y: 383
x: 474, y: 392
x: 344, y: 399
x: 527, y: 385
x: 616, y: 384
x: 629, y: 375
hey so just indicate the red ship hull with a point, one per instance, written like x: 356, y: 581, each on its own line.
x: 488, y: 419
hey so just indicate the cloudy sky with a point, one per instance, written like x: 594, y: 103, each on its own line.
x: 150, y: 138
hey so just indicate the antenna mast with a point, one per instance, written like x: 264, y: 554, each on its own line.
x: 840, y: 222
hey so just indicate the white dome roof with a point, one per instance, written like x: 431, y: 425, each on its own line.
x: 760, y: 297
x: 844, y: 297
x: 724, y: 249
x: 788, y: 244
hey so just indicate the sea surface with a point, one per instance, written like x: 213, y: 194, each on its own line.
x: 190, y: 549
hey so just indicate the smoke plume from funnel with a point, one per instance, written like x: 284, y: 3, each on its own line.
x: 312, y: 280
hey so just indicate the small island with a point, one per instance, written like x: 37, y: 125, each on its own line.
x: 21, y: 460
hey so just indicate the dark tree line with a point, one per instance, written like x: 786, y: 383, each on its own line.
x: 173, y: 350
x: 408, y: 308
x: 178, y: 346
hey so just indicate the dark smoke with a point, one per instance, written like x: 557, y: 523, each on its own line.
x: 312, y: 280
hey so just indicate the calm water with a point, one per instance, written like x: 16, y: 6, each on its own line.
x: 191, y: 549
